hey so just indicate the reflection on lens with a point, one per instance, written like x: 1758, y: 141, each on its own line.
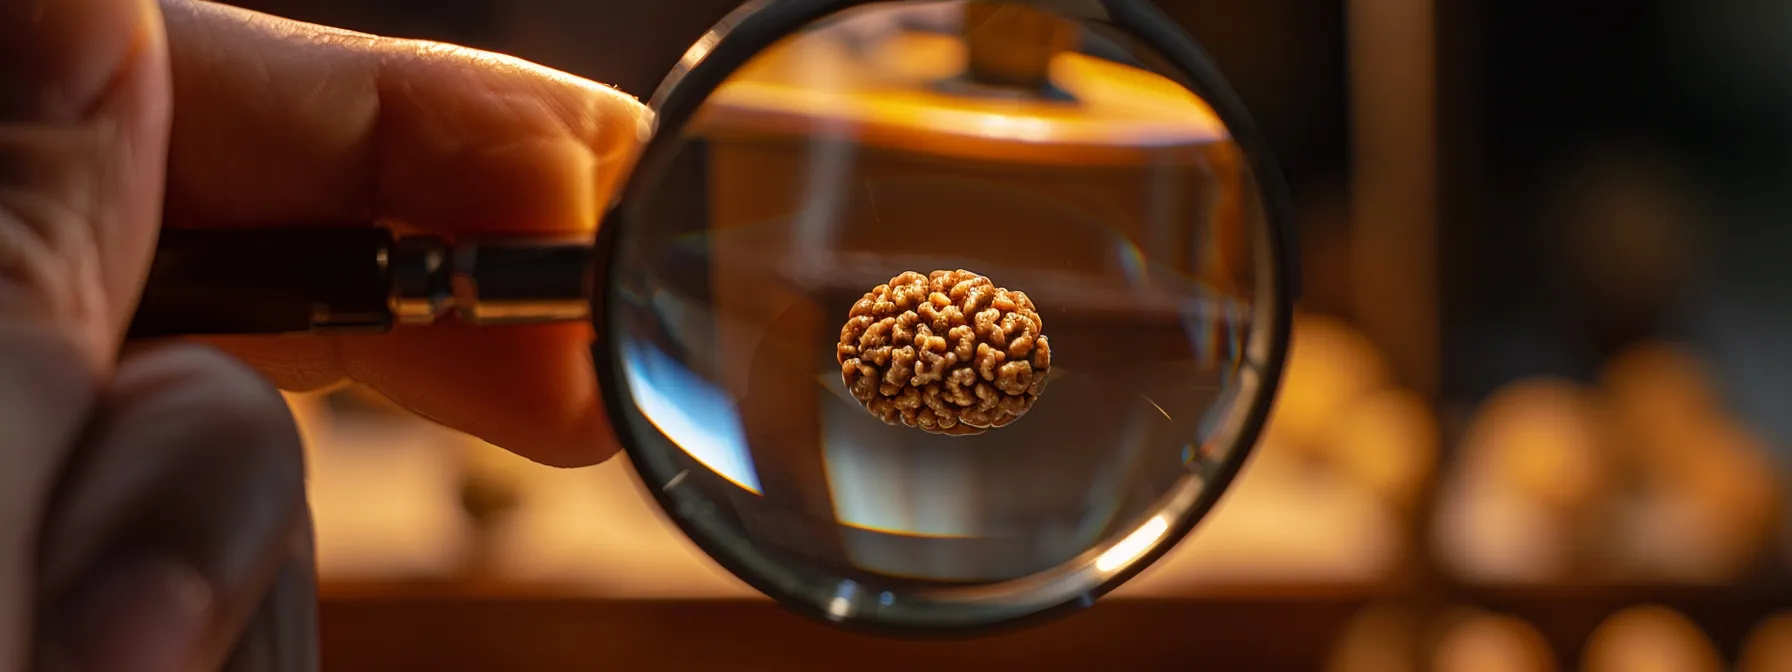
x: 1053, y: 159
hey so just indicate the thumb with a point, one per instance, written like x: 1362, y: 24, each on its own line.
x: 83, y: 137
x: 84, y: 113
x: 46, y: 393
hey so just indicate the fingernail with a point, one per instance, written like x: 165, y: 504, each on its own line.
x: 148, y: 614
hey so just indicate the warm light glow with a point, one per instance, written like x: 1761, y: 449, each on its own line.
x: 1493, y: 643
x: 1283, y: 521
x: 813, y: 85
x: 1769, y: 646
x: 1174, y: 122
x: 1015, y: 128
x: 1650, y: 639
x: 699, y: 51
x: 1330, y: 364
x: 1134, y: 545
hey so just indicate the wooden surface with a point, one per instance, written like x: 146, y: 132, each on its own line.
x: 462, y: 627
x: 521, y: 633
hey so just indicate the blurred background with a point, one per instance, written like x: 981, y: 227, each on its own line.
x: 1538, y: 416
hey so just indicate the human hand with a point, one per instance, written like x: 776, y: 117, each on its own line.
x: 279, y: 123
x: 152, y: 512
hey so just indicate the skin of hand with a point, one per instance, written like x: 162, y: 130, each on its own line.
x: 152, y: 511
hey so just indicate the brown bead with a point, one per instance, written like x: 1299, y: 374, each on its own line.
x: 948, y: 353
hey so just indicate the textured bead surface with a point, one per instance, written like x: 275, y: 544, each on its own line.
x: 948, y: 352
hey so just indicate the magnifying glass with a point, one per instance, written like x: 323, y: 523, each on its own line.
x: 917, y: 316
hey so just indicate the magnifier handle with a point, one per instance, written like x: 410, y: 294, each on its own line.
x: 359, y: 279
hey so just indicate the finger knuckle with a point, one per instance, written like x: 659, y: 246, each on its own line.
x: 40, y: 259
x: 48, y: 248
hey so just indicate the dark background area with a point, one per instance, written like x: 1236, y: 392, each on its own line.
x: 1685, y: 101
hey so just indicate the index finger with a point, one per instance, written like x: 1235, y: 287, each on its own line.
x: 278, y: 122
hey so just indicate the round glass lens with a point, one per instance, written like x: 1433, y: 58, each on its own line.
x: 941, y: 314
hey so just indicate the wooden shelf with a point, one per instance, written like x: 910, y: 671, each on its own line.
x: 393, y: 630
x: 520, y: 628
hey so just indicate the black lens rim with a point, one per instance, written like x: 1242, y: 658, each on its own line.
x: 758, y: 25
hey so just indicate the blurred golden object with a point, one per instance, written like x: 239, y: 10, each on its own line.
x: 1658, y: 381
x: 1665, y: 400
x: 1704, y: 502
x: 1530, y: 476
x: 1388, y: 441
x: 1380, y: 638
x: 1330, y: 364
x: 1545, y: 438
x: 1645, y: 479
x: 1492, y: 643
x: 1769, y: 646
x: 1321, y: 499
x: 1490, y: 534
x: 1283, y: 522
x: 1710, y: 519
x: 1650, y: 639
